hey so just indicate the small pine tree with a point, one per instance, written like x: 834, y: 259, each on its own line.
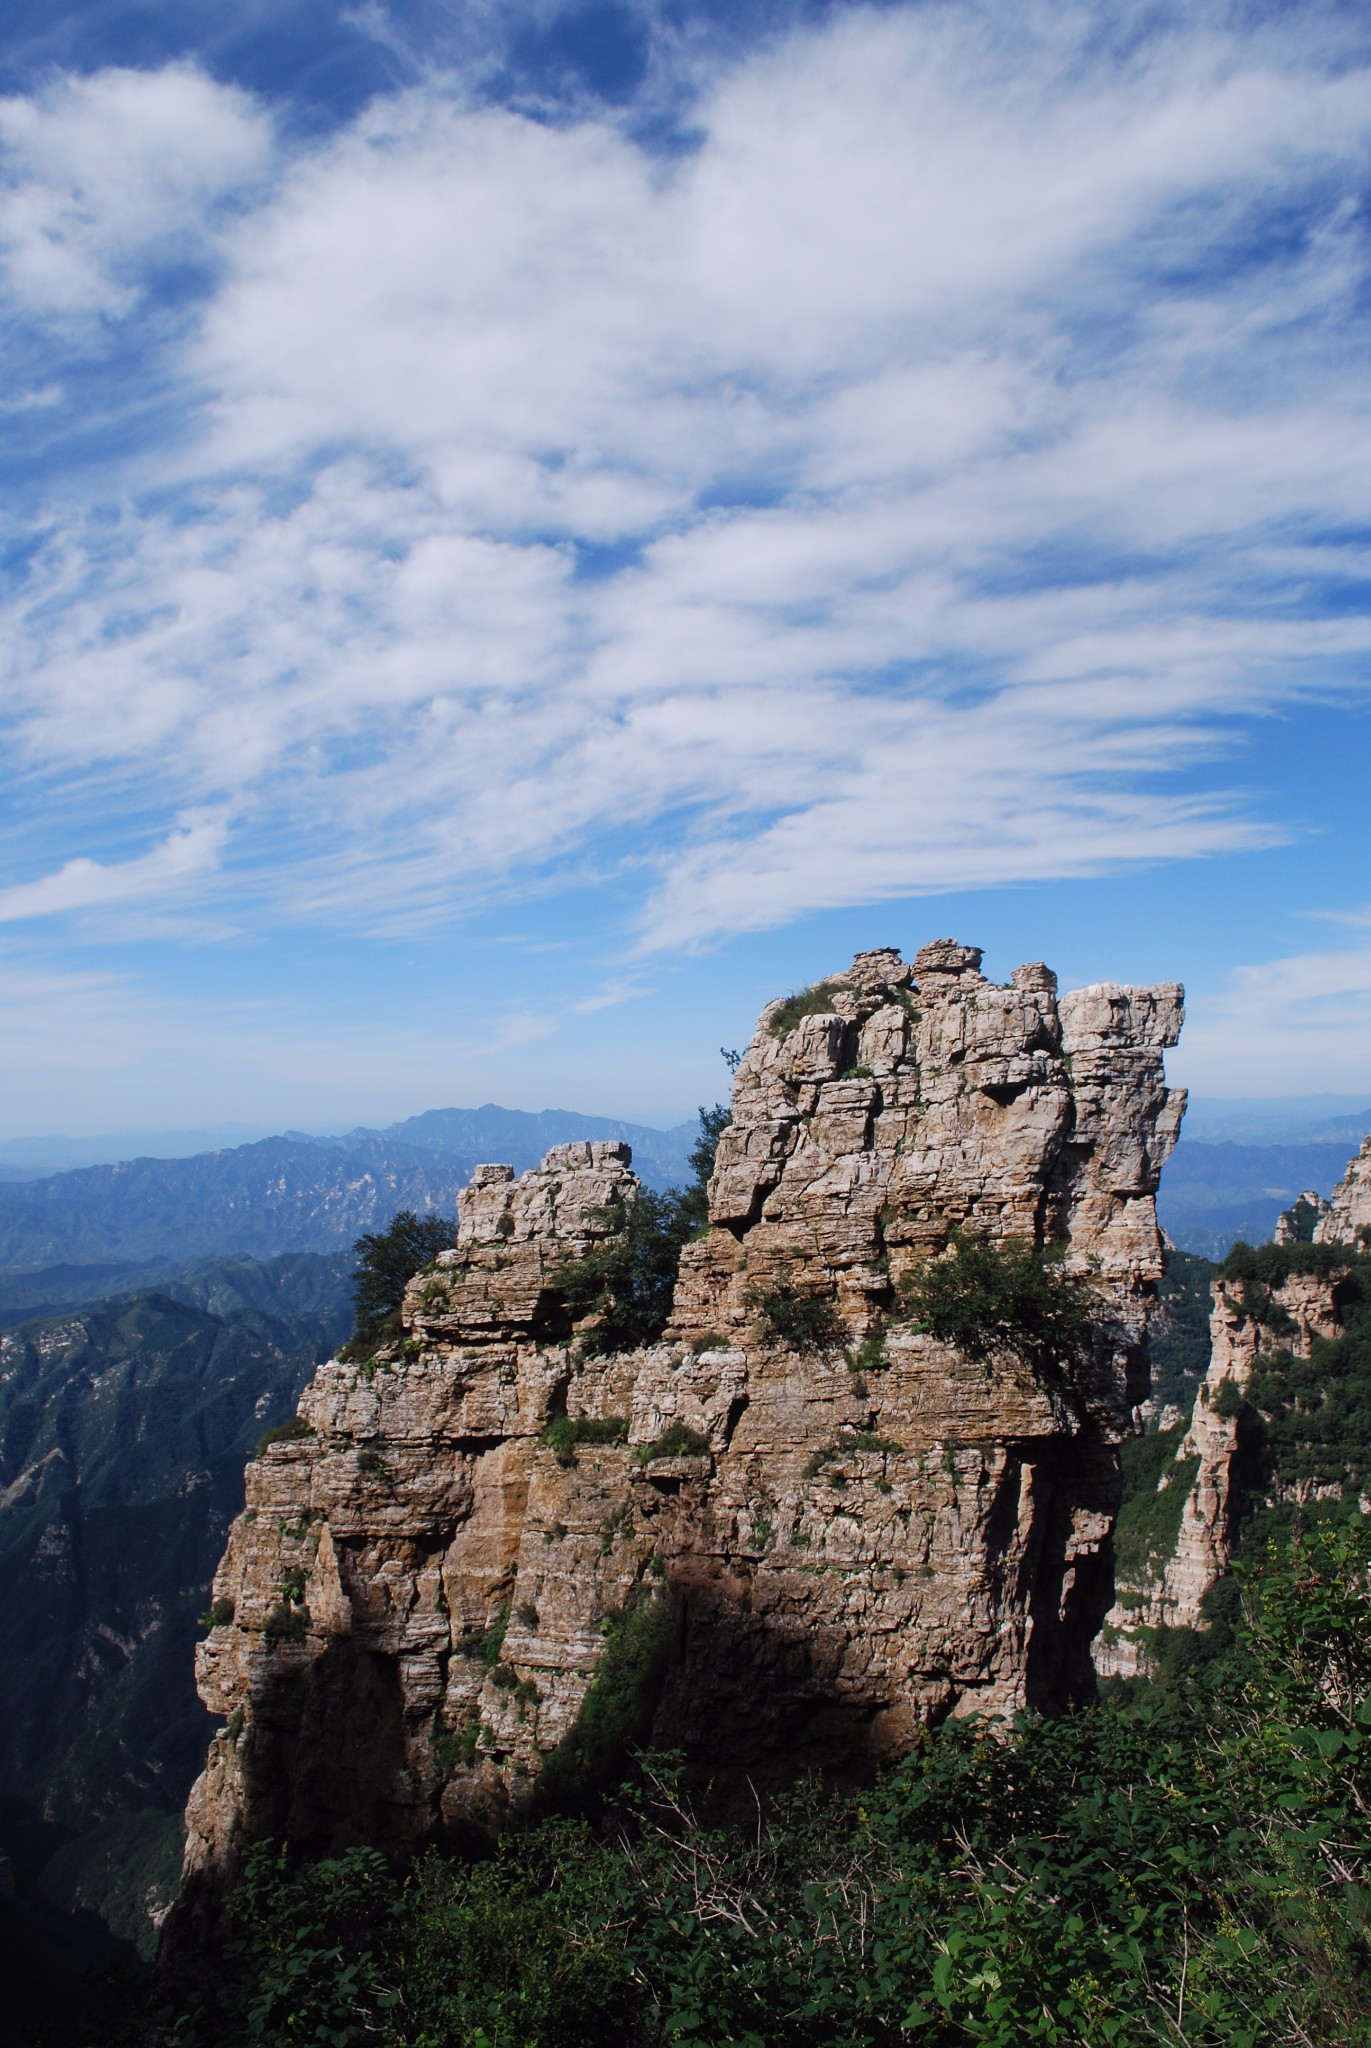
x: 388, y: 1260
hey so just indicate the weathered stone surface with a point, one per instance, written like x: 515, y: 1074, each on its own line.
x: 1347, y: 1219
x: 876, y: 1530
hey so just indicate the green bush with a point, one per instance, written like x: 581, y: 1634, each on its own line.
x: 1183, y: 1865
x: 616, y: 1713
x: 675, y: 1441
x: 1315, y: 1412
x: 1155, y: 1490
x: 809, y: 1002
x: 283, y: 1433
x: 981, y: 1296
x: 1271, y: 1265
x: 218, y: 1614
x: 564, y: 1432
x: 627, y: 1281
x: 387, y: 1261
x: 1178, y: 1334
x: 804, y: 1320
x: 487, y: 1643
x: 286, y: 1623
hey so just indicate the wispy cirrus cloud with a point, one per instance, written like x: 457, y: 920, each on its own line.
x: 910, y: 487
x: 182, y: 858
x: 1305, y: 1015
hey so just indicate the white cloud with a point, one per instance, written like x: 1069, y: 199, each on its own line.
x: 968, y: 443
x: 99, y: 173
x: 185, y: 855
x: 1306, y: 1017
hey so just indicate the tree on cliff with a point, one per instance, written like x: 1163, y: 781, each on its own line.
x: 387, y: 1261
x: 628, y: 1281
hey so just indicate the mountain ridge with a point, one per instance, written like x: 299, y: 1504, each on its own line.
x: 290, y: 1193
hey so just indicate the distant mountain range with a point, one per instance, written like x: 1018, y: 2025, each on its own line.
x: 1212, y: 1195
x: 1279, y: 1120
x: 292, y: 1193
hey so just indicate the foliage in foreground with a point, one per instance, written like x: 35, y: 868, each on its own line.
x: 1182, y: 1865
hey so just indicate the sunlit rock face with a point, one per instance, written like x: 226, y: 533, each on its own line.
x: 865, y: 1530
x: 1346, y: 1218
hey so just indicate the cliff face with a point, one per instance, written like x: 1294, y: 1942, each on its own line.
x: 1217, y: 1464
x: 1218, y: 1460
x: 1347, y: 1217
x: 854, y: 1530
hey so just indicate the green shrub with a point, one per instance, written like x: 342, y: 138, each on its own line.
x: 218, y: 1614
x: 283, y: 1433
x: 564, y: 1432
x: 454, y: 1749
x: 628, y: 1280
x: 286, y: 1623
x: 1271, y: 1265
x: 1315, y: 1412
x: 616, y: 1713
x: 387, y: 1261
x: 1178, y: 1340
x: 810, y: 1002
x: 488, y: 1644
x: 803, y: 1320
x: 863, y: 1440
x: 1184, y: 1864
x: 980, y: 1296
x: 675, y: 1441
x: 871, y: 1354
x: 1155, y: 1491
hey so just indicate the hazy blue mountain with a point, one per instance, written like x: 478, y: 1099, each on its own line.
x: 47, y: 1290
x: 1278, y: 1120
x: 285, y: 1194
x: 520, y: 1138
x: 1212, y: 1195
x: 32, y: 1158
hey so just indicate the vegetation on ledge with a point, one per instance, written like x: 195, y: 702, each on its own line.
x: 982, y: 1295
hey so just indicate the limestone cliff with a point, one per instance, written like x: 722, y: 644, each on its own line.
x: 1218, y: 1461
x: 1347, y: 1217
x: 851, y: 1530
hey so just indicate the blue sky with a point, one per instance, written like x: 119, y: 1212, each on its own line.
x: 529, y: 530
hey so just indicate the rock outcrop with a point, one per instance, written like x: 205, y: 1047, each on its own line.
x: 846, y: 1529
x: 1346, y: 1219
x: 1219, y: 1456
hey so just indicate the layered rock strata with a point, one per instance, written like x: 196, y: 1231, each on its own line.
x: 854, y: 1528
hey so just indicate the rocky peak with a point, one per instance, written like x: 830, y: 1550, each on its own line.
x: 1347, y: 1215
x: 846, y: 1526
